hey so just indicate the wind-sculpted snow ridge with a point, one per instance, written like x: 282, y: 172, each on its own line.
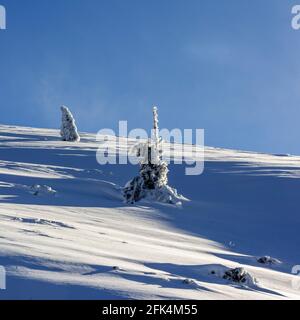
x: 76, y: 239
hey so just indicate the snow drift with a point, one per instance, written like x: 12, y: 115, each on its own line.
x: 65, y: 232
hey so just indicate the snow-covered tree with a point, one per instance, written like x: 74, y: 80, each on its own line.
x: 152, y: 182
x: 155, y: 131
x: 68, y: 129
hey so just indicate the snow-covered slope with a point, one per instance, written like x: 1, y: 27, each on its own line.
x: 78, y: 240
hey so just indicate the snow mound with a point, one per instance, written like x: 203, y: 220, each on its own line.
x: 165, y: 194
x: 65, y: 247
x: 268, y: 260
x: 240, y: 276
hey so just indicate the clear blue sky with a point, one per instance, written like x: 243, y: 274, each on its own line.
x: 231, y: 67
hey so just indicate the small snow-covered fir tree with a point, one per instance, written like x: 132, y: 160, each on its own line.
x: 152, y: 182
x: 68, y: 129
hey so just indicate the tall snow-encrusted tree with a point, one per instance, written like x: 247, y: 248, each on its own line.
x: 68, y: 129
x: 155, y: 131
x: 152, y: 182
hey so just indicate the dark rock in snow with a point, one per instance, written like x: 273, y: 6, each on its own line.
x: 239, y: 275
x: 268, y: 260
x: 188, y: 281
